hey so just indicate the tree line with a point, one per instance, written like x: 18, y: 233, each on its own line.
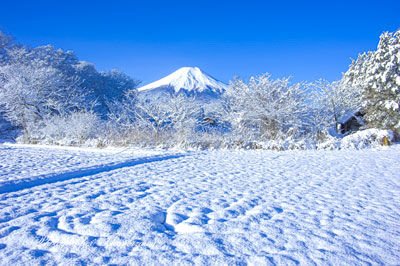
x: 53, y: 97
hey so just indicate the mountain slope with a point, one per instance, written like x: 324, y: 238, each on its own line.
x: 190, y: 80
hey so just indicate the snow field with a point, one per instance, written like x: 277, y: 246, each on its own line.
x: 206, y: 208
x: 23, y: 166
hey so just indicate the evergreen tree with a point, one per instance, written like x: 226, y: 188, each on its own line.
x: 377, y: 73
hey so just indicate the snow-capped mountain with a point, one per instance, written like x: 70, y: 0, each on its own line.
x: 190, y: 80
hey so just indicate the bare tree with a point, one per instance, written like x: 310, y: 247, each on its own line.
x: 31, y: 90
x: 266, y: 108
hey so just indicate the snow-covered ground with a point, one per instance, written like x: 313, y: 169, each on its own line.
x: 133, y: 207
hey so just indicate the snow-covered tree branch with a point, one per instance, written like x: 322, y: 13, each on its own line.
x: 377, y: 75
x: 266, y: 108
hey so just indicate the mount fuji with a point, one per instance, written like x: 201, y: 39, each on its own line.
x: 189, y: 80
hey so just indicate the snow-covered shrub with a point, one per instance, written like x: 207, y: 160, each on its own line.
x: 69, y: 129
x: 367, y: 138
x: 166, y: 121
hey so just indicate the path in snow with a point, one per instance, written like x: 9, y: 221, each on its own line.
x: 221, y: 207
x: 93, y: 170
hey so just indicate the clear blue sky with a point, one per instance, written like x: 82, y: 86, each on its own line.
x: 150, y: 39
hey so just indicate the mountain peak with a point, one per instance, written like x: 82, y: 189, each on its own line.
x: 189, y: 69
x: 191, y: 80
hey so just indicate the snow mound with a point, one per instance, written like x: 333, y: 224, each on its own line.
x: 187, y: 79
x: 368, y: 137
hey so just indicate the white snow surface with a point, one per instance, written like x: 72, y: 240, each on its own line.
x: 141, y: 207
x: 190, y: 79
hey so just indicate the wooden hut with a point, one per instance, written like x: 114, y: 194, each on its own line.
x: 350, y: 122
